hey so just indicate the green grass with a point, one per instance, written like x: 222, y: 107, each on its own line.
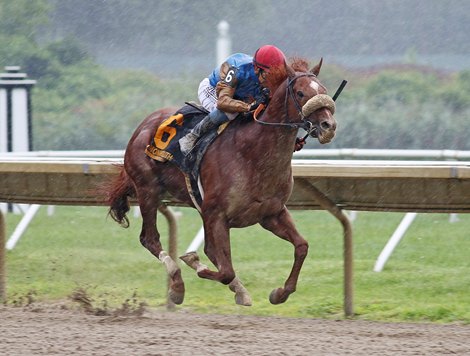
x: 426, y: 279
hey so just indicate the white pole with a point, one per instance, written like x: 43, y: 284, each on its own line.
x: 50, y: 210
x: 224, y: 43
x: 20, y: 124
x: 15, y: 110
x: 4, y: 124
x: 197, y: 241
x: 15, y: 113
x: 352, y: 215
x: 393, y: 241
x: 22, y: 226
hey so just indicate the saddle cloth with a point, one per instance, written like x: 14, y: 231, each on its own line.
x: 165, y: 146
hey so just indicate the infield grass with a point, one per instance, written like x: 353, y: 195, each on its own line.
x: 426, y: 279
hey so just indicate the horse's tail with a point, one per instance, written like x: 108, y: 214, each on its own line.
x: 118, y: 197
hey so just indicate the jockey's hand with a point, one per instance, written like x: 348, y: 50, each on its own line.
x: 265, y: 96
x: 255, y: 105
x: 299, y: 144
x: 262, y: 99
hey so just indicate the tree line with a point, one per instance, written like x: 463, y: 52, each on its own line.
x: 80, y: 104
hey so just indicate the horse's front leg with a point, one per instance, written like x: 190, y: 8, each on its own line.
x: 283, y: 226
x: 217, y: 248
x: 150, y: 239
x: 242, y: 297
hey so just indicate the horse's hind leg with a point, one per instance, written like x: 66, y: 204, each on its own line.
x: 283, y: 226
x: 150, y: 239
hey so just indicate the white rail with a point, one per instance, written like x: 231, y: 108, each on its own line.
x: 64, y: 154
x: 340, y: 153
x: 383, y: 154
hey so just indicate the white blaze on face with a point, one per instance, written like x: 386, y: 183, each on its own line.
x: 314, y: 86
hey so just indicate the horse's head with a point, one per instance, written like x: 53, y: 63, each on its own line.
x: 306, y: 98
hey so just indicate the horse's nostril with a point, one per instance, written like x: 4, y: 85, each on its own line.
x: 325, y: 125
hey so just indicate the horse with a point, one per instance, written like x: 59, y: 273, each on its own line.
x: 246, y: 177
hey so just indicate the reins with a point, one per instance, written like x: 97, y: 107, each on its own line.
x: 261, y: 107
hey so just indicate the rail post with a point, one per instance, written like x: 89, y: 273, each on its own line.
x: 327, y: 204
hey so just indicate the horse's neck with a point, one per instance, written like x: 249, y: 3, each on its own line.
x: 275, y: 111
x: 271, y: 146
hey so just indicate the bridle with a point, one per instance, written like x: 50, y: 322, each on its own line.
x: 305, y: 124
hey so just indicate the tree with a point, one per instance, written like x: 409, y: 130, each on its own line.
x: 18, y: 23
x: 23, y: 17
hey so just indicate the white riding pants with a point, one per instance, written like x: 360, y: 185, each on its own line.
x: 208, y: 97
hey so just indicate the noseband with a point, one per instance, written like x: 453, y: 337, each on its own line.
x: 305, y: 124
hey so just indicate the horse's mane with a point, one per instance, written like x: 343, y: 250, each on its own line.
x: 279, y: 75
x: 276, y: 77
x: 299, y: 64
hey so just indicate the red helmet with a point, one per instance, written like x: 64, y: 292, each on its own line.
x: 269, y: 56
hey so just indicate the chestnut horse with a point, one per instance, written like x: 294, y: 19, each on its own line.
x: 246, y: 177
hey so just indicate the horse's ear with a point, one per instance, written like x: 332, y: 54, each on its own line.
x: 290, y: 71
x: 316, y: 70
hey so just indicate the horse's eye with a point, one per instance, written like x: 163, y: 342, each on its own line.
x: 300, y: 94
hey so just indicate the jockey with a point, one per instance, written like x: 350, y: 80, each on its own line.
x: 233, y: 88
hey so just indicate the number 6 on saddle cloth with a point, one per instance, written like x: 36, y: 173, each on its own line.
x: 165, y: 147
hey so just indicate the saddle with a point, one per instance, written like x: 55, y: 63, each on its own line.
x: 165, y: 146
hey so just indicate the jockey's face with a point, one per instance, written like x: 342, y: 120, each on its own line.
x: 262, y: 75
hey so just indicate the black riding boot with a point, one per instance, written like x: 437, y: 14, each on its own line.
x: 211, y: 121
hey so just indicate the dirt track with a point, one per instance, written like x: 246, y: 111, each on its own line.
x: 52, y: 330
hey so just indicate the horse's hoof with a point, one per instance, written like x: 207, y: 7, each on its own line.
x: 176, y: 297
x: 191, y: 259
x: 277, y: 297
x: 176, y: 291
x: 243, y: 299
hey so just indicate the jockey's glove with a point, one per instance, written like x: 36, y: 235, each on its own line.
x: 265, y: 96
x: 254, y: 106
x: 261, y: 99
